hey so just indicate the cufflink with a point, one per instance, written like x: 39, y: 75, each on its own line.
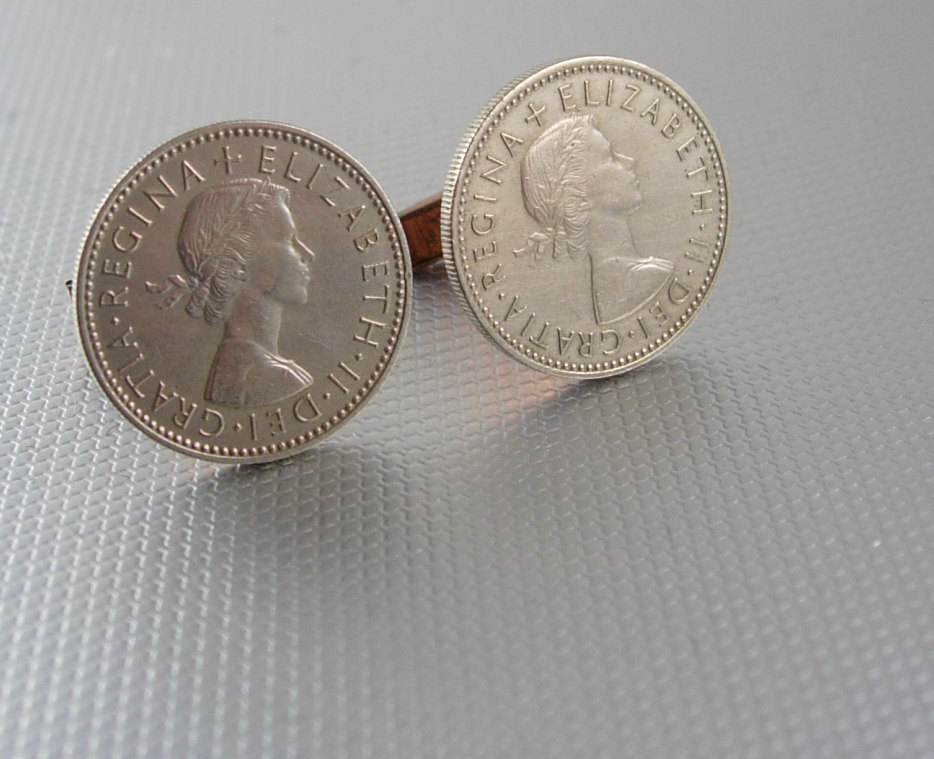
x: 242, y: 291
x: 584, y: 217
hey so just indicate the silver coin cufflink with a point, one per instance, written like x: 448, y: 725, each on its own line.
x: 584, y: 217
x: 242, y: 291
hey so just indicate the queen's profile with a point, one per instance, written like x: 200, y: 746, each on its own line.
x: 244, y: 264
x: 582, y: 193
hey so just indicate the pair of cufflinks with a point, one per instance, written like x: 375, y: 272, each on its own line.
x: 244, y: 287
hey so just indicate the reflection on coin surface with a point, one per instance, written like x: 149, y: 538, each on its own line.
x: 242, y: 291
x: 585, y: 215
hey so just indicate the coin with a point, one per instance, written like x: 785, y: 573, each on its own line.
x: 585, y: 215
x: 242, y: 291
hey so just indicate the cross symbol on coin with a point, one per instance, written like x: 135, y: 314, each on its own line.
x: 228, y: 159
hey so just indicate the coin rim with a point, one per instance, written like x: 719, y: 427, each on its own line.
x: 81, y: 280
x: 455, y: 176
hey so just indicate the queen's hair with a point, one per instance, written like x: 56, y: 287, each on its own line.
x: 553, y: 175
x: 216, y: 242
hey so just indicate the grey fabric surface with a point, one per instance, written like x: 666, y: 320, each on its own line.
x: 727, y: 553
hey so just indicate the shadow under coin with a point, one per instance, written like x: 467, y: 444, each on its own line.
x: 648, y: 435
x: 332, y: 505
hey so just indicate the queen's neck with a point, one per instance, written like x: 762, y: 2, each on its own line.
x: 255, y: 318
x: 609, y: 236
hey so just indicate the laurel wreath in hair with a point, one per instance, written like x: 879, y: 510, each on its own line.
x: 538, y: 245
x: 555, y: 164
x: 212, y: 240
x: 175, y: 286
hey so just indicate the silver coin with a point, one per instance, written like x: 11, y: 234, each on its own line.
x: 242, y: 291
x: 585, y: 215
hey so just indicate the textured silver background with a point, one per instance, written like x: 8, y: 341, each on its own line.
x: 728, y: 553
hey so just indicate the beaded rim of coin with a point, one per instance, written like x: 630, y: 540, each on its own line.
x: 357, y: 383
x: 455, y: 201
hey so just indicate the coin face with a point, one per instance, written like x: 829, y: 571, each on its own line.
x: 242, y: 291
x: 584, y: 217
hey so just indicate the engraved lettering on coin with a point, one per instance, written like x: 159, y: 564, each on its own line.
x: 581, y: 192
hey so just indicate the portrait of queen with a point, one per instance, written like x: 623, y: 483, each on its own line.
x: 582, y: 193
x: 243, y: 265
